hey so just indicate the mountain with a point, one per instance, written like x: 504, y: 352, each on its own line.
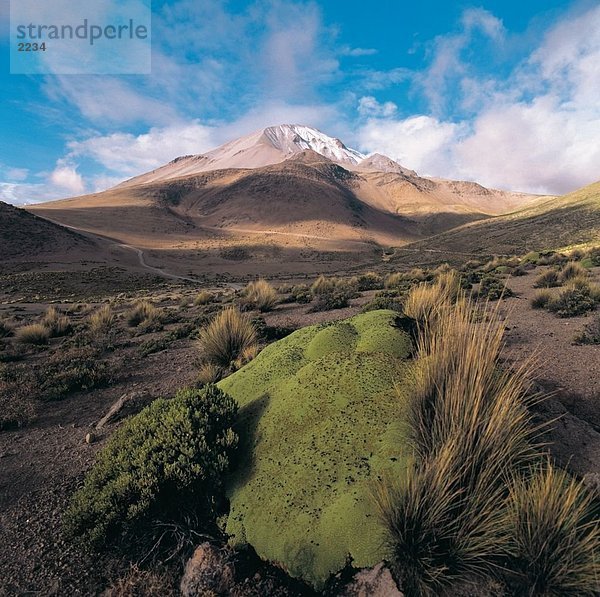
x: 262, y: 148
x: 284, y: 194
x: 26, y: 236
x: 549, y: 224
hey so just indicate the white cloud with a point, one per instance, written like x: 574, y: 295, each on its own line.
x: 127, y: 154
x: 66, y: 177
x: 421, y: 143
x: 537, y: 131
x: 368, y: 106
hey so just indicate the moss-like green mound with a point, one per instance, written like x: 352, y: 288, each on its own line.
x: 319, y: 420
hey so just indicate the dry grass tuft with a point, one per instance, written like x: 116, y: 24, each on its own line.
x: 228, y: 337
x: 141, y: 312
x: 548, y: 279
x: 6, y: 328
x: 261, y: 295
x: 209, y: 373
x: 204, y: 298
x: 470, y: 427
x: 56, y: 323
x: 541, y: 299
x: 102, y: 321
x: 555, y: 535
x: 36, y: 334
x: 573, y: 270
x: 142, y: 583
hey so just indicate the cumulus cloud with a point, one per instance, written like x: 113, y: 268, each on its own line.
x: 66, y: 177
x: 368, y: 106
x: 536, y: 131
x: 127, y: 154
x: 421, y: 143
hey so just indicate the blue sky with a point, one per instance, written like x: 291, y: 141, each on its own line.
x: 502, y: 92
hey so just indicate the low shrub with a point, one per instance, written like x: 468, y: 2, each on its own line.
x: 554, y: 534
x: 386, y: 299
x: 35, y: 333
x: 547, y: 279
x: 227, y: 338
x: 139, y: 582
x: 261, y: 295
x: 17, y: 407
x: 573, y: 301
x: 57, y: 324
x: 71, y: 371
x: 594, y: 256
x: 493, y: 289
x: 204, y: 298
x: 591, y: 333
x: 157, y: 344
x: 168, y: 459
x: 541, y: 299
x: 332, y: 293
x: 572, y: 270
x: 369, y: 281
x: 301, y: 294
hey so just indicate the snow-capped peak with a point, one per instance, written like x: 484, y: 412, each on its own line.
x: 293, y: 138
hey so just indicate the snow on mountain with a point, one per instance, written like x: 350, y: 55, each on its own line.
x: 261, y: 148
x: 292, y: 138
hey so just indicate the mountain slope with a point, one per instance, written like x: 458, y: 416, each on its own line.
x: 550, y: 224
x: 24, y: 235
x: 261, y: 148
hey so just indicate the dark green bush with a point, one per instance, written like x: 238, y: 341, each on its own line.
x: 572, y: 301
x: 170, y: 457
x: 493, y: 288
x: 332, y: 293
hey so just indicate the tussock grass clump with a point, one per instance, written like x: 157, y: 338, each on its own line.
x: 102, y: 321
x: 424, y: 301
x: 230, y: 336
x: 6, y: 328
x: 35, y: 333
x: 555, y: 535
x: 470, y: 426
x: 573, y: 270
x: 394, y: 280
x: 436, y: 531
x: 204, y: 297
x: 548, y: 279
x: 261, y: 295
x: 141, y: 312
x: 541, y: 299
x: 57, y: 323
x: 209, y: 373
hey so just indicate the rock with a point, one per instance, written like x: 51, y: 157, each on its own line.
x: 90, y: 438
x: 372, y: 582
x: 209, y: 570
x: 127, y: 404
